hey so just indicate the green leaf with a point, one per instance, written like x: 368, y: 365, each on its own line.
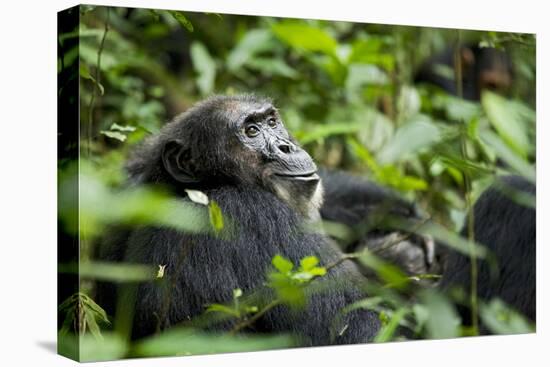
x: 178, y: 342
x: 309, y: 262
x: 272, y: 67
x: 508, y: 122
x: 87, y: 348
x: 216, y: 217
x: 85, y: 73
x: 114, y: 135
x: 251, y: 44
x: 113, y: 272
x: 126, y: 128
x: 182, y: 20
x: 360, y: 75
x: 511, y: 157
x: 443, y: 321
x: 409, y: 139
x: 317, y: 271
x: 501, y: 319
x: 205, y: 66
x: 92, y: 325
x: 216, y: 307
x: 369, y: 52
x: 320, y: 132
x: 305, y: 37
x: 281, y: 264
x: 388, y: 330
x: 388, y: 174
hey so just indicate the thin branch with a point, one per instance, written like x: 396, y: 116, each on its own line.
x: 253, y: 319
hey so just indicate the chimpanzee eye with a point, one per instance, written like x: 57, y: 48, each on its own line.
x: 252, y: 131
x: 272, y: 122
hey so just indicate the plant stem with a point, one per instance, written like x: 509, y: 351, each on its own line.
x: 468, y: 195
x: 254, y: 318
x: 96, y: 85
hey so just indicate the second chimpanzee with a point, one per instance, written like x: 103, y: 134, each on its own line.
x: 483, y: 68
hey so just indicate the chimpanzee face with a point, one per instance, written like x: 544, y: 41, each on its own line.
x: 272, y: 156
x: 242, y: 140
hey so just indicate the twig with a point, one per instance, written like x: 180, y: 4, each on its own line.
x: 96, y: 84
x: 254, y: 318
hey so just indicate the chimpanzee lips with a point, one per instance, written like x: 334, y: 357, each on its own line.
x: 302, y: 176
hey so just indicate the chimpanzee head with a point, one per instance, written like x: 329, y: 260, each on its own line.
x: 236, y: 140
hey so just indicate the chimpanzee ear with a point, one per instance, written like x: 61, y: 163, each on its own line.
x: 178, y: 162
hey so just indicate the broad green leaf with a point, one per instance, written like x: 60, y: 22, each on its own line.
x: 320, y: 132
x: 360, y: 75
x: 305, y: 37
x: 272, y: 67
x: 309, y: 262
x: 87, y: 348
x: 179, y: 342
x: 369, y: 51
x: 85, y: 73
x: 388, y: 174
x: 281, y: 264
x: 252, y: 43
x: 456, y: 109
x: 126, y: 128
x: 100, y: 206
x: 409, y: 139
x: 501, y: 319
x: 92, y: 325
x: 317, y: 271
x: 113, y: 272
x: 182, y: 19
x: 114, y: 135
x: 508, y: 122
x: 511, y: 157
x: 443, y: 321
x: 205, y: 66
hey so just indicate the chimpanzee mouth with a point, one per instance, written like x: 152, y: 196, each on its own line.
x: 300, y: 176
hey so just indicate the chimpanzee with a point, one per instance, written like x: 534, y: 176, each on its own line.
x: 507, y: 228
x: 236, y: 150
x: 483, y: 68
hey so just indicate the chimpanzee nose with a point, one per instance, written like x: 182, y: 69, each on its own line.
x: 285, y: 147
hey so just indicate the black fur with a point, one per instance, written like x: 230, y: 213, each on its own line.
x: 365, y: 208
x: 508, y: 229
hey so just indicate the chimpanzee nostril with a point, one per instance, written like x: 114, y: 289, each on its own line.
x: 285, y: 148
